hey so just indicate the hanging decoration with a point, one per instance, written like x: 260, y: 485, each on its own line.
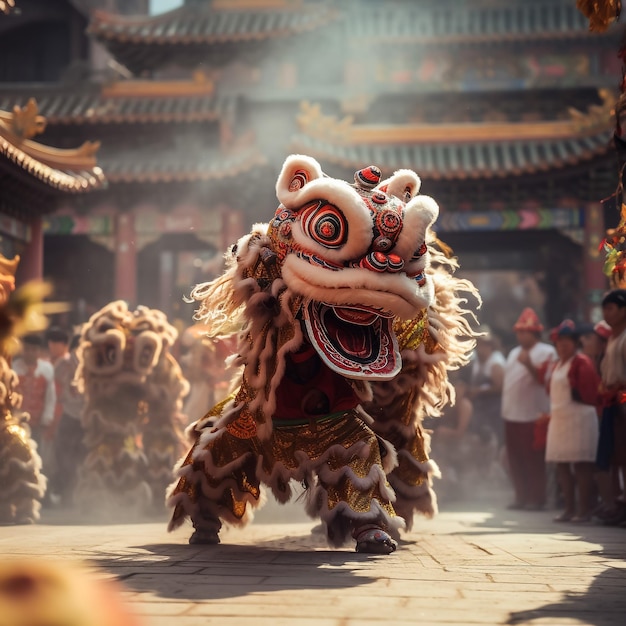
x: 600, y: 13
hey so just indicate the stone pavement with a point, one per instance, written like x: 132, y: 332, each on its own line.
x: 462, y: 568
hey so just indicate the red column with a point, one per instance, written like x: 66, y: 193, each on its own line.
x: 126, y: 259
x: 31, y: 262
x: 595, y: 282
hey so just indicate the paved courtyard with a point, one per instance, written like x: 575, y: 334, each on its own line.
x: 464, y: 567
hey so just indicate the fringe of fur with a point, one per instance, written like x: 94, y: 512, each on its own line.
x: 416, y: 500
x: 197, y: 511
x: 413, y: 499
x: 278, y: 481
x: 222, y: 300
x: 340, y: 520
x: 450, y: 325
x: 234, y: 304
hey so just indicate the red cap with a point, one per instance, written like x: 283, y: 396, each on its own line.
x: 602, y: 329
x: 528, y: 320
x: 567, y: 328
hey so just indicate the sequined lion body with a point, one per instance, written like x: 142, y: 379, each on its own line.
x: 133, y: 391
x: 23, y: 484
x: 332, y: 301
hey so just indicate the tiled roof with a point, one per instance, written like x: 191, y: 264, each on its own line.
x: 433, y: 21
x: 449, y: 160
x: 190, y: 34
x: 191, y: 24
x: 64, y: 106
x: 445, y: 22
x: 138, y: 164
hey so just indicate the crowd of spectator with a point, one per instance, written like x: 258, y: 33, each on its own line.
x: 550, y: 418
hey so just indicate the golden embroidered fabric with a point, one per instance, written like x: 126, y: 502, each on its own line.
x: 314, y: 439
x: 413, y: 333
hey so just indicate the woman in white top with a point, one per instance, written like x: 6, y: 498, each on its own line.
x: 573, y: 428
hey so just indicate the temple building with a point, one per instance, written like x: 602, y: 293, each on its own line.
x: 503, y: 109
x: 34, y: 180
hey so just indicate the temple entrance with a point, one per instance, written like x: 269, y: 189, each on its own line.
x: 82, y: 275
x: 168, y: 268
x: 513, y: 270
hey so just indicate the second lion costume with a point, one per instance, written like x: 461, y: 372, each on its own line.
x: 328, y: 297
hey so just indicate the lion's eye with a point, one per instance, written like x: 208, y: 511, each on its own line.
x: 325, y: 224
x: 420, y: 252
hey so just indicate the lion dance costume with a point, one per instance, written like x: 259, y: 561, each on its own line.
x: 23, y: 484
x: 133, y: 426
x: 335, y: 294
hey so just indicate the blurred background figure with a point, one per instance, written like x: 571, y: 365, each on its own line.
x: 465, y: 457
x: 572, y: 437
x: 611, y: 456
x: 203, y: 366
x: 593, y: 340
x: 524, y: 399
x: 68, y: 431
x: 450, y: 447
x: 37, y: 388
x: 485, y: 390
x: 36, y: 385
x: 134, y: 391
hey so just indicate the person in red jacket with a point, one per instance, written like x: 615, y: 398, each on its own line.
x: 573, y: 428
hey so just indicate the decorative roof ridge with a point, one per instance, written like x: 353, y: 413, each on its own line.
x: 198, y: 85
x: 73, y: 170
x: 118, y: 19
x: 312, y: 122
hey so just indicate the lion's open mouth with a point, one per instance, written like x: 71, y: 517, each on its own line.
x: 356, y: 342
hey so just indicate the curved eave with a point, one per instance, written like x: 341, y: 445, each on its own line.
x: 61, y: 180
x: 188, y: 26
x: 140, y: 167
x: 457, y: 161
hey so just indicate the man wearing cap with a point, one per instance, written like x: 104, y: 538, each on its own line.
x: 524, y: 399
x: 612, y: 445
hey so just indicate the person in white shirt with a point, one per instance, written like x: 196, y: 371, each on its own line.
x: 38, y: 390
x: 524, y: 400
x: 36, y: 385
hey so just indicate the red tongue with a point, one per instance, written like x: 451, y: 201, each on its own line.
x: 355, y: 343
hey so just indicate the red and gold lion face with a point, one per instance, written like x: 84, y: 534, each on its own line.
x: 357, y: 254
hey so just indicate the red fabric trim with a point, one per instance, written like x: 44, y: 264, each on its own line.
x: 584, y: 379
